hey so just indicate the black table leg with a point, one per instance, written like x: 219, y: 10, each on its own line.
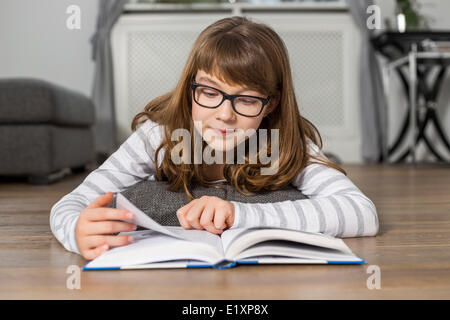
x: 430, y: 96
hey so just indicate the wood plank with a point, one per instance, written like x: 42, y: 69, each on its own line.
x: 412, y: 250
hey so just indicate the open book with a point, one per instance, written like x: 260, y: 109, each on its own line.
x: 175, y: 247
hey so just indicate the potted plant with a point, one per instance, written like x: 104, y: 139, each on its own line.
x: 413, y: 19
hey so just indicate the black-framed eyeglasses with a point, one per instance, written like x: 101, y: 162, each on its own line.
x: 245, y: 105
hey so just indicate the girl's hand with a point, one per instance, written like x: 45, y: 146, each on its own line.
x: 210, y: 213
x: 96, y: 225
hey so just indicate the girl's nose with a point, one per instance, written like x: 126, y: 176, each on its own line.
x: 225, y: 111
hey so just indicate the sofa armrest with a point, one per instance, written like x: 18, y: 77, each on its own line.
x: 37, y: 101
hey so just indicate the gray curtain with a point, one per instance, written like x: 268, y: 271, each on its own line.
x: 372, y: 99
x: 103, y: 88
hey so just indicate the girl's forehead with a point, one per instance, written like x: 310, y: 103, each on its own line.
x: 215, y: 79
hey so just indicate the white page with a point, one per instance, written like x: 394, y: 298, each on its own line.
x: 253, y: 236
x: 176, y: 264
x: 202, y: 236
x: 150, y: 246
x: 284, y: 260
x: 141, y: 219
x: 295, y: 250
x: 230, y: 235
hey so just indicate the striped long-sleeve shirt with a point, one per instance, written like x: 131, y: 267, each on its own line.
x: 335, y: 206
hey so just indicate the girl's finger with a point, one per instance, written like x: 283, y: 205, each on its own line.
x: 112, y: 241
x: 219, y: 219
x: 206, y: 219
x: 108, y: 227
x: 186, y: 207
x: 183, y: 222
x: 182, y: 217
x: 94, y: 253
x: 102, y: 214
x: 193, y: 215
x: 102, y: 200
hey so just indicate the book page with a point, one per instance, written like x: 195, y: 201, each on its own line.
x: 143, y: 220
x: 229, y: 235
x: 242, y: 241
x: 202, y: 236
x: 150, y: 246
x: 175, y: 264
x: 283, y: 260
x: 295, y: 250
x: 140, y: 218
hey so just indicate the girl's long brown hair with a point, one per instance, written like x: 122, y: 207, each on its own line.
x: 237, y: 51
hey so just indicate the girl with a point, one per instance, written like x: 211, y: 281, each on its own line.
x: 237, y: 76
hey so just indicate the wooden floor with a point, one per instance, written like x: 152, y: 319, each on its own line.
x: 412, y: 251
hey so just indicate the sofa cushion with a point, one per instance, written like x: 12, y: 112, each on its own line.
x: 27, y: 149
x: 152, y: 198
x: 36, y: 101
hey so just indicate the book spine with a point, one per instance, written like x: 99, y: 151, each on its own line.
x: 221, y: 265
x: 229, y: 265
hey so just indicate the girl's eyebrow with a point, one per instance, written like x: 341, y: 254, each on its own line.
x: 208, y: 80
x: 211, y: 81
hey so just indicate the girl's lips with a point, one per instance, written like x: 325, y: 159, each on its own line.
x: 223, y: 133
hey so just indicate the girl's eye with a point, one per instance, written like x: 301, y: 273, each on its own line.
x: 248, y: 101
x: 209, y: 93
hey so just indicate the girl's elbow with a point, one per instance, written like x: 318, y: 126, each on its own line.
x: 52, y: 217
x: 372, y: 218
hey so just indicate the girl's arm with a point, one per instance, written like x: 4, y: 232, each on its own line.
x: 131, y: 163
x: 335, y: 206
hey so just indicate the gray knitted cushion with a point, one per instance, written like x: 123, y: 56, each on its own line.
x: 152, y: 198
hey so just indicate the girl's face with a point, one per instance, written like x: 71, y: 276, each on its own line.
x: 218, y: 125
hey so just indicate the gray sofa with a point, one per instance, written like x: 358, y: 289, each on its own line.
x: 45, y: 129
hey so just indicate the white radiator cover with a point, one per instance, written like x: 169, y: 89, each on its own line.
x: 150, y: 50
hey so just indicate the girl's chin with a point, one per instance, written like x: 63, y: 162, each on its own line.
x: 224, y: 143
x: 221, y: 146
x: 218, y: 142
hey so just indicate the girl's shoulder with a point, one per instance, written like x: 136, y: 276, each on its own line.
x: 149, y: 125
x: 152, y: 131
x: 312, y: 149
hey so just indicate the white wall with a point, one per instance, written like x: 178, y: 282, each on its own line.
x: 35, y: 42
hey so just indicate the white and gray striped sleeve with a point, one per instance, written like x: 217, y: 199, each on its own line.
x: 132, y: 162
x: 335, y: 207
